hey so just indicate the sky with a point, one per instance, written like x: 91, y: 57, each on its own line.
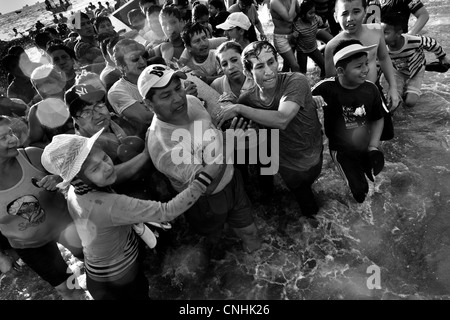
x: 12, y: 5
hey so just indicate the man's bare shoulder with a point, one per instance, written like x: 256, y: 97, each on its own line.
x: 371, y: 34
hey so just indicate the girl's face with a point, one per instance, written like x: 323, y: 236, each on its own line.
x: 98, y: 169
x: 231, y: 64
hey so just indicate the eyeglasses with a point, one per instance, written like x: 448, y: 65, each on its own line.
x: 88, y: 114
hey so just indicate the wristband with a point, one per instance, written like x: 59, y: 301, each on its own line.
x: 204, y: 178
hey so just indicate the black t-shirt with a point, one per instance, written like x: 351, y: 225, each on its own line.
x: 402, y: 9
x: 348, y: 113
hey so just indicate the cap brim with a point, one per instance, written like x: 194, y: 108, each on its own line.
x: 225, y: 26
x: 351, y: 50
x: 162, y: 83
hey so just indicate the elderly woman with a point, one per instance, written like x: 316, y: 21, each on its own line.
x: 104, y: 219
x: 32, y: 218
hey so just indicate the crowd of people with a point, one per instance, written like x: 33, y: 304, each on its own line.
x: 88, y: 157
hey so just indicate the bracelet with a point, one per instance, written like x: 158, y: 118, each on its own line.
x: 204, y: 178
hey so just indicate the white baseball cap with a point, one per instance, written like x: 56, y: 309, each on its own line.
x: 236, y: 19
x: 65, y: 155
x: 156, y: 76
x: 350, y: 50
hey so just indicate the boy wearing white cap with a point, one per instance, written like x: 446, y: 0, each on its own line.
x: 178, y: 114
x: 353, y: 117
x: 236, y: 28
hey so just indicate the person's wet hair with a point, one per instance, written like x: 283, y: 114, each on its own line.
x: 253, y: 50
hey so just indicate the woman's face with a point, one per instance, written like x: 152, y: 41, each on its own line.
x: 8, y: 141
x: 98, y: 169
x: 62, y: 60
x: 231, y: 64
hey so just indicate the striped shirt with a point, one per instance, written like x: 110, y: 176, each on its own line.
x: 305, y: 34
x: 410, y: 58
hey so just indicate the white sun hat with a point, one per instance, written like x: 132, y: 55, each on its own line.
x: 65, y: 155
x: 156, y: 76
x: 236, y: 19
x: 350, y: 50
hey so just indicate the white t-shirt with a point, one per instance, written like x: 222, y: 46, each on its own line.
x: 193, y: 145
x: 123, y: 94
x: 210, y: 67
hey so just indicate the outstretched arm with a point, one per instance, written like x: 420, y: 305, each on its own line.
x: 422, y: 16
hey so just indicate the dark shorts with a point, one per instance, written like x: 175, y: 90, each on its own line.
x: 133, y: 285
x: 231, y: 205
x: 352, y: 166
x: 47, y: 262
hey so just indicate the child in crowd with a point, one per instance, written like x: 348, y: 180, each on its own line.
x: 305, y: 29
x: 200, y: 14
x: 350, y: 14
x: 353, y: 117
x: 407, y: 55
x: 104, y: 219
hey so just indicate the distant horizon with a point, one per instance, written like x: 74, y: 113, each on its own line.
x: 15, y: 5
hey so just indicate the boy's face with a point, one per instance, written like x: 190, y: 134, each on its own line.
x: 212, y: 10
x: 153, y: 22
x: 233, y: 34
x: 350, y: 14
x: 355, y: 73
x: 87, y: 29
x: 265, y: 69
x: 169, y: 103
x: 105, y: 27
x: 171, y: 26
x: 390, y: 35
x: 199, y: 45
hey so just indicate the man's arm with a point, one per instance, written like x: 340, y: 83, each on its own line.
x: 278, y: 119
x: 139, y: 112
x: 376, y: 129
x: 422, y: 16
x: 388, y: 69
x: 330, y: 70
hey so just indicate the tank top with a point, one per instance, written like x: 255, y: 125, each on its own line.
x: 30, y: 216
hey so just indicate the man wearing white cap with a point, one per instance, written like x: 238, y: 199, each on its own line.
x: 179, y: 114
x: 236, y: 28
x: 353, y: 117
